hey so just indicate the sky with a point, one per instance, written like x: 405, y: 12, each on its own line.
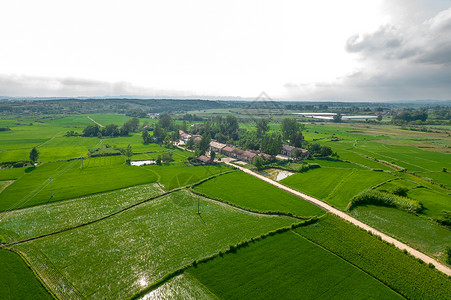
x: 350, y: 50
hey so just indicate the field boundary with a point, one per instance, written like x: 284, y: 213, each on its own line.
x: 232, y: 249
x: 342, y: 258
x: 427, y: 259
x: 269, y: 213
x: 35, y: 272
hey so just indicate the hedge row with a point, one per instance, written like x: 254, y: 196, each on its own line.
x: 374, y: 197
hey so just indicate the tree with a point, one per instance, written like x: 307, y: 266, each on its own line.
x: 131, y: 125
x: 379, y: 118
x: 110, y: 130
x: 159, y: 133
x: 147, y: 139
x: 204, y: 144
x: 165, y: 121
x: 212, y: 155
x: 325, y: 151
x: 158, y: 161
x: 289, y: 128
x: 34, y: 155
x: 190, y: 143
x: 271, y: 144
x: 129, y: 151
x: 297, y: 153
x: 297, y: 139
x: 258, y: 162
x: 91, y: 130
x: 167, y: 156
x: 262, y: 127
x: 337, y: 118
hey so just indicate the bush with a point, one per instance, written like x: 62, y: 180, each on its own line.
x: 400, y: 191
x: 384, y: 199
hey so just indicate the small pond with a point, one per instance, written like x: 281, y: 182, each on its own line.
x: 276, y: 174
x: 142, y: 162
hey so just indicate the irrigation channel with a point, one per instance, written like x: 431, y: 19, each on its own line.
x: 348, y: 218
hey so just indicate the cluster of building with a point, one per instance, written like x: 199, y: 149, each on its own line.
x: 240, y: 154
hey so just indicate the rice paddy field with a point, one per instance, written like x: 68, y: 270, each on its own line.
x: 174, y: 231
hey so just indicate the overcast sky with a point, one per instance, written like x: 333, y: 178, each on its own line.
x: 370, y: 50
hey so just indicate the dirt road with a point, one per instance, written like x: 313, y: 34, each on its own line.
x: 354, y: 221
x: 95, y: 121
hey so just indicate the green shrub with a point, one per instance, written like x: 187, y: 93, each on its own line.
x: 372, y: 197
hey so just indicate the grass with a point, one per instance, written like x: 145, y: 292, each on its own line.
x: 70, y: 181
x: 418, y: 232
x: 13, y: 173
x: 286, y: 266
x: 141, y: 245
x: 438, y: 177
x: 17, y: 280
x: 335, y: 186
x: 246, y: 191
x: 178, y: 174
x: 380, y: 260
x: 434, y: 201
x: 34, y: 221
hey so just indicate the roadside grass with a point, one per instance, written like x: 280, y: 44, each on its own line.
x: 34, y: 221
x: 69, y: 181
x: 391, y: 266
x: 331, y: 163
x: 12, y: 173
x: 318, y: 183
x: 352, y: 185
x: 17, y: 280
x: 286, y: 266
x: 335, y: 186
x: 416, y: 231
x: 246, y: 191
x: 141, y: 245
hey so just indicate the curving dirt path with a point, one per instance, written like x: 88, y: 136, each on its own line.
x: 339, y: 213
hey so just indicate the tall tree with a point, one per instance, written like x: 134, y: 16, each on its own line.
x: 34, y: 155
x: 146, y: 137
x: 129, y: 151
x: 289, y: 128
x: 204, y: 144
x: 262, y: 127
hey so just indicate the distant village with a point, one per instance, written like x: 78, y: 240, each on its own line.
x: 243, y: 155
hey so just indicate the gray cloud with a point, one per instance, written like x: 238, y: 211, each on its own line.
x: 30, y: 86
x: 398, y: 62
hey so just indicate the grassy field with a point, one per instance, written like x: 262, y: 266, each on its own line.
x: 287, y: 266
x: 70, y: 181
x: 251, y: 193
x: 139, y: 246
x: 438, y: 177
x: 384, y: 262
x: 336, y: 186
x: 34, y: 221
x: 418, y: 232
x: 9, y: 174
x: 17, y: 280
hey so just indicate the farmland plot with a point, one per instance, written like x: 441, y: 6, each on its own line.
x: 287, y: 266
x: 34, y: 221
x: 246, y: 191
x: 119, y: 256
x: 382, y: 261
x: 17, y: 281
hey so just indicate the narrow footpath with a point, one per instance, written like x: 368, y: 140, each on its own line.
x: 347, y: 217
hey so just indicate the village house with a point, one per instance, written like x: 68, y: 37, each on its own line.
x: 228, y: 151
x: 184, y: 136
x: 204, y: 160
x: 196, y: 139
x: 217, y: 147
x: 290, y: 151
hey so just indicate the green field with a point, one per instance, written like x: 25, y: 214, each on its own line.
x: 141, y: 245
x: 335, y: 186
x: 287, y: 266
x: 34, y: 221
x: 246, y: 191
x: 17, y: 280
x: 418, y: 232
x: 70, y: 181
x: 382, y: 261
